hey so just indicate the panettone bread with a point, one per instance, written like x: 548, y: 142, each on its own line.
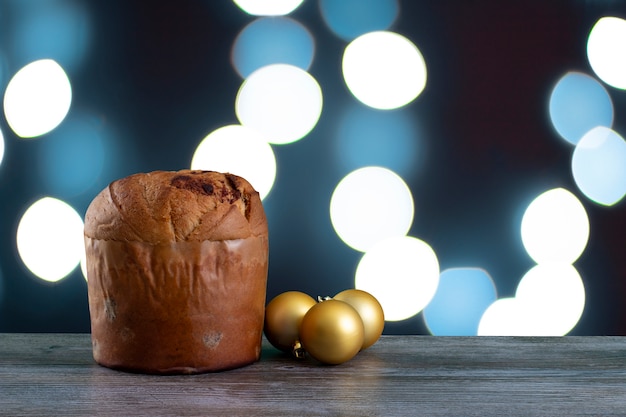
x: 177, y: 272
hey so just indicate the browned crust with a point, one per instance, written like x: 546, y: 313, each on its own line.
x: 184, y: 307
x: 174, y: 206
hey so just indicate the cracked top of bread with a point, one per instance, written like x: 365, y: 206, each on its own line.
x: 174, y: 206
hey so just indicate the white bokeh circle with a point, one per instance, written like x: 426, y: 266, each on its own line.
x: 549, y: 301
x: 37, y: 98
x: 50, y: 239
x: 384, y: 70
x: 504, y: 317
x: 241, y: 151
x: 371, y: 204
x: 606, y: 52
x: 554, y: 295
x: 268, y: 7
x: 555, y: 227
x: 402, y: 273
x: 281, y: 101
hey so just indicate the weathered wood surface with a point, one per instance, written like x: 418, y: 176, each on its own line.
x: 54, y: 374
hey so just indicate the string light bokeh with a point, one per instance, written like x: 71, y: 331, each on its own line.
x: 412, y: 151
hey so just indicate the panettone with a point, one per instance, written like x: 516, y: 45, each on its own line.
x: 177, y: 271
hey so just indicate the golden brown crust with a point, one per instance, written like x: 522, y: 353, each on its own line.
x: 184, y: 307
x: 174, y: 206
x: 177, y: 270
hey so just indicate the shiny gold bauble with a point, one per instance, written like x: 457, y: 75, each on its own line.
x: 332, y: 332
x: 369, y: 309
x: 283, y: 316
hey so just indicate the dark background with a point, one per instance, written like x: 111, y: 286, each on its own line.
x: 158, y: 74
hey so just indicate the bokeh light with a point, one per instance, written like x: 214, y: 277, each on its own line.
x: 505, y: 317
x: 384, y: 70
x: 59, y: 30
x: 606, y: 52
x: 549, y: 301
x: 369, y: 205
x: 367, y: 136
x: 555, y: 227
x: 462, y: 297
x: 578, y: 103
x: 349, y: 19
x: 377, y: 132
x: 72, y: 158
x: 554, y: 296
x: 50, y: 239
x: 272, y: 40
x: 37, y: 98
x: 268, y: 7
x: 599, y: 166
x: 281, y: 101
x: 402, y: 273
x: 241, y: 151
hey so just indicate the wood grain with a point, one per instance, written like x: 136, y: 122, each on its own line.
x: 55, y: 375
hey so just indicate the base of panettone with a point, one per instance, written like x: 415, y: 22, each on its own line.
x: 177, y: 308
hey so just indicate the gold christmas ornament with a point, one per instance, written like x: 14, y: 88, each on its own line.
x: 332, y: 332
x: 283, y: 317
x: 369, y: 309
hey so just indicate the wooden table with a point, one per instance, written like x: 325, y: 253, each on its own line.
x: 54, y: 374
